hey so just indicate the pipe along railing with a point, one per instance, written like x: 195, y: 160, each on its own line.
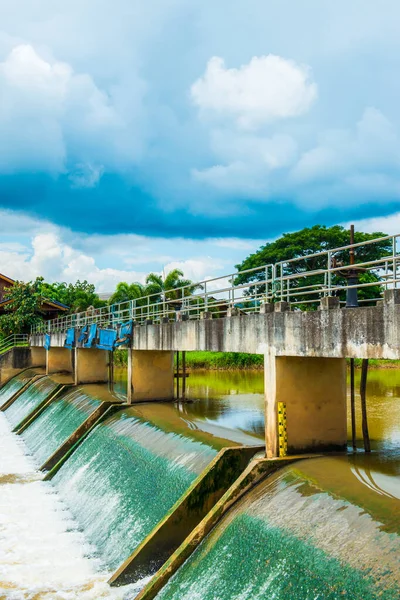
x: 302, y: 282
x: 12, y: 341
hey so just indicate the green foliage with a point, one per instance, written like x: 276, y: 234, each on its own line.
x: 208, y: 360
x: 125, y: 292
x: 157, y: 285
x: 77, y: 296
x: 24, y: 309
x: 224, y: 360
x: 309, y: 241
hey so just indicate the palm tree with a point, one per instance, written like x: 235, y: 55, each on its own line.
x: 125, y: 292
x: 169, y: 286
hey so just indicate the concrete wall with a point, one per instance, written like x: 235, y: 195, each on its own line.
x: 91, y: 365
x: 256, y: 471
x: 186, y: 514
x: 17, y: 359
x: 57, y: 459
x: 152, y: 374
x: 58, y: 360
x: 38, y: 357
x: 314, y: 391
x: 372, y: 332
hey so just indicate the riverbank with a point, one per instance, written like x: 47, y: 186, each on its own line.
x: 225, y: 361
x: 221, y: 361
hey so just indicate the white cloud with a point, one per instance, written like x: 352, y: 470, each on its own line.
x: 198, y: 269
x: 31, y: 248
x: 389, y: 225
x: 57, y: 261
x: 266, y: 89
x: 54, y: 120
x: 238, y: 244
x: 246, y: 161
x: 373, y: 145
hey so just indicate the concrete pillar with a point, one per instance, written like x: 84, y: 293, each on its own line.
x: 314, y: 390
x: 329, y: 303
x: 38, y: 356
x: 129, y: 378
x: 91, y: 365
x: 152, y: 375
x: 58, y: 360
x: 267, y: 308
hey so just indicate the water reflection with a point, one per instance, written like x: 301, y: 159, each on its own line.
x: 233, y: 401
x: 229, y: 405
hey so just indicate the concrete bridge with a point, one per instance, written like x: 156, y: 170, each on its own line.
x: 304, y: 352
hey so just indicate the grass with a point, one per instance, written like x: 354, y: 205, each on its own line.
x: 375, y: 363
x: 239, y: 360
x: 224, y: 360
x: 208, y: 360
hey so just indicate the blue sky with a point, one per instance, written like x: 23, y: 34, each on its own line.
x: 138, y: 136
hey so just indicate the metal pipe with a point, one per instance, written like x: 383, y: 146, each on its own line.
x: 183, y: 376
x: 177, y: 374
x: 363, y: 396
x: 352, y: 406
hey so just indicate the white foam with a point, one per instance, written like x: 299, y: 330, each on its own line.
x: 42, y: 555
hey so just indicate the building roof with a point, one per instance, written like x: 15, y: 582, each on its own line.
x: 53, y: 303
x: 7, y: 279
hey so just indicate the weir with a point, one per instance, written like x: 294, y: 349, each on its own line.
x: 30, y: 399
x: 297, y: 536
x: 156, y: 493
x: 57, y: 422
x: 15, y: 385
x: 144, y: 479
x: 126, y: 476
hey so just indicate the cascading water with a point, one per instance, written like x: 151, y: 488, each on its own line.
x: 125, y: 477
x: 30, y: 399
x: 14, y: 385
x: 297, y: 536
x: 60, y: 419
x: 42, y: 554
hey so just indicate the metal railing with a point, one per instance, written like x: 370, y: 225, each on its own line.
x: 301, y: 281
x: 12, y: 341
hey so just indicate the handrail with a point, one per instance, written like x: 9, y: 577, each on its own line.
x: 268, y: 283
x: 12, y: 341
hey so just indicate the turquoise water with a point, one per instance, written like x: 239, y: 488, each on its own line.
x: 60, y: 419
x: 30, y: 399
x: 14, y: 385
x: 292, y: 539
x: 124, y: 478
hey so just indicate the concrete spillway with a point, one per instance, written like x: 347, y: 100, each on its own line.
x: 324, y: 528
x: 296, y: 536
x: 55, y: 424
x: 30, y: 399
x: 123, y: 479
x: 15, y: 385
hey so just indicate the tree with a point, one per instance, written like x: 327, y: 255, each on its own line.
x: 77, y: 296
x: 125, y: 292
x: 157, y: 285
x: 309, y: 241
x: 24, y: 310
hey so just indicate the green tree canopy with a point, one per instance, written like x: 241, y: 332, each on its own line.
x: 309, y: 241
x: 156, y: 284
x: 24, y: 310
x: 125, y: 292
x: 77, y: 296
